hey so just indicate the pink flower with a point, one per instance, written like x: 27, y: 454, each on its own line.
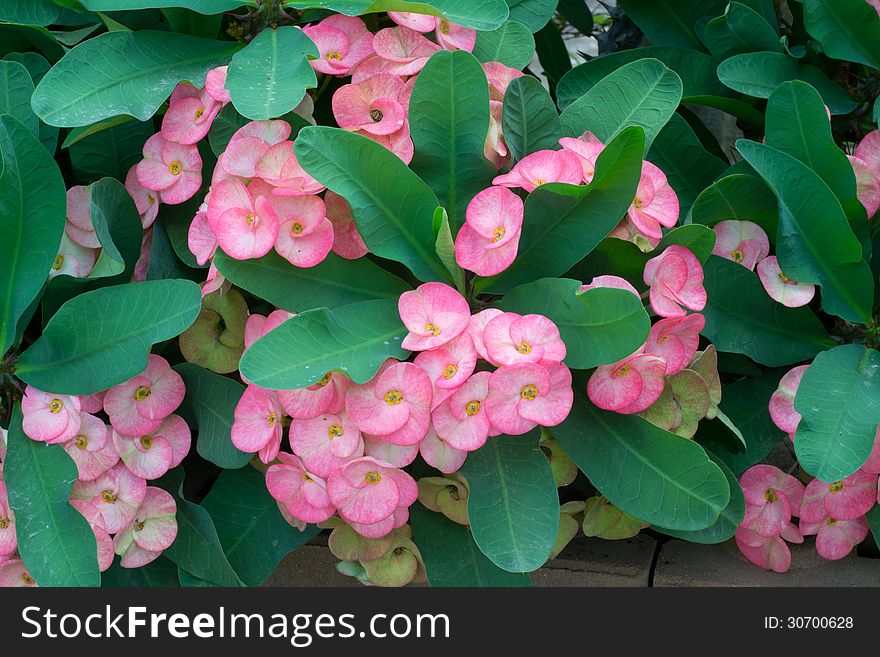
x: 772, y: 497
x: 279, y: 167
x: 73, y: 259
x: 675, y: 340
x: 477, y: 325
x: 371, y: 106
x: 628, y: 386
x: 587, y: 149
x: 434, y: 314
x: 499, y: 77
x: 395, y: 404
x: 872, y: 465
x: 138, y: 406
x: 201, y: 240
x: 868, y: 153
x: 399, y: 143
x: 744, y: 242
x: 524, y: 395
x: 656, y: 203
x: 438, y: 453
x: 347, y: 241
x: 257, y: 424
x: 368, y: 492
x: 214, y: 281
x: 151, y: 531
x: 511, y: 338
x: 117, y: 494
x: 543, y: 167
x: 405, y: 49
x: 79, y: 226
x: 767, y: 552
x: 782, y: 401
x: 257, y: 326
x: 343, y: 42
x: 326, y: 442
x: 248, y: 145
x: 399, y: 456
x: 91, y: 448
x: 495, y: 148
x: 676, y: 280
x: 246, y: 227
x: 835, y: 538
x: 146, y: 201
x: 139, y: 275
x: 449, y: 366
x: 781, y: 288
x: 151, y: 456
x: 461, y: 421
x: 302, y: 494
x: 325, y: 396
x: 215, y: 84
x: 488, y: 242
x: 104, y: 543
x: 174, y: 170
x: 875, y: 4
x: 189, y: 119
x: 14, y: 574
x: 305, y: 234
x: 419, y: 22
x: 8, y: 540
x: 609, y: 281
x: 49, y: 418
x: 842, y: 500
x: 454, y: 37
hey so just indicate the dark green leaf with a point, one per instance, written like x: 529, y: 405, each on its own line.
x: 29, y: 12
x: 512, y: 44
x: 741, y: 29
x: 846, y: 29
x: 530, y: 120
x: 698, y: 239
x: 16, y: 88
x: 160, y: 573
x: 110, y: 152
x: 578, y: 14
x: 740, y: 197
x: 552, y: 54
x: 201, y: 6
x: 671, y: 22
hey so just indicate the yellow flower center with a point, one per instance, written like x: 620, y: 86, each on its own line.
x: 81, y: 441
x: 108, y: 496
x: 297, y: 228
x: 56, y: 406
x: 523, y: 347
x: 249, y: 219
x: 325, y: 379
x: 139, y: 526
x: 785, y: 279
x: 376, y: 115
x: 637, y: 203
x: 333, y: 54
x: 770, y: 495
x: 334, y: 431
x: 444, y: 27
x: 622, y: 371
x: 27, y: 579
x: 175, y: 167
x: 198, y: 114
x: 58, y: 263
x: 151, y: 199
x: 737, y: 255
x: 831, y: 521
x: 432, y: 329
x: 373, y: 478
x: 450, y: 371
x: 271, y: 419
x: 146, y: 442
x: 836, y: 487
x: 4, y: 522
x: 538, y: 182
x: 306, y: 477
x: 662, y: 339
x: 529, y: 392
x: 393, y: 397
x: 499, y: 233
x: 472, y: 407
x: 142, y: 393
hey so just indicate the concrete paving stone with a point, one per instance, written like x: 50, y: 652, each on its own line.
x: 690, y: 564
x: 597, y: 562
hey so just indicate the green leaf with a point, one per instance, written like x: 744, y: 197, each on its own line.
x: 730, y: 518
x: 201, y: 6
x: 759, y: 73
x: 188, y: 21
x: 741, y: 29
x: 598, y: 327
x: 54, y: 540
x: 512, y: 44
x: 164, y: 263
x: 354, y: 339
x: 109, y: 152
x: 643, y: 93
x: 254, y: 535
x: 654, y: 475
x: 742, y: 319
x: 444, y: 245
x: 846, y: 29
x: 530, y: 121
x: 226, y: 124
x: 75, y: 134
x: 873, y: 518
x: 449, y: 119
x: 159, y: 573
x: 16, y: 88
x: 624, y: 258
x: 451, y: 557
x: 815, y: 243
x: 839, y: 402
x: 124, y: 73
x: 392, y: 207
x: 177, y: 219
x: 740, y: 197
x: 671, y: 22
x: 269, y: 77
x: 32, y: 210
x: 485, y: 15
x: 209, y: 408
x: 37, y: 66
x: 578, y: 14
x: 534, y: 14
x: 334, y: 282
x: 102, y: 337
x: 552, y: 54
x: 689, y: 167
x: 698, y: 239
x: 20, y: 91
x: 513, y: 507
x: 29, y: 12
x: 563, y: 223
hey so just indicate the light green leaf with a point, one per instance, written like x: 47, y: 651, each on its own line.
x: 102, y: 338
x: 698, y: 239
x: 740, y: 197
x: 354, y: 339
x: 201, y: 6
x: 512, y: 44
x: 29, y: 12
x: 75, y: 134
x: 16, y: 88
x: 445, y: 247
x: 534, y: 14
x: 530, y: 120
x: 846, y: 29
x: 740, y: 29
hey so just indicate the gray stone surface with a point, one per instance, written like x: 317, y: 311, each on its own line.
x: 597, y: 562
x: 689, y: 564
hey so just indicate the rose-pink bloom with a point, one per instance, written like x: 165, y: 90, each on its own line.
x: 676, y: 280
x: 772, y: 497
x: 454, y: 37
x: 200, y: 239
x: 419, y: 22
x: 524, y: 395
x: 372, y: 106
x: 188, y: 120
x: 257, y: 424
x: 495, y: 148
x: 438, y: 453
x: 151, y: 456
x: 400, y: 143
x: 781, y: 288
x: 213, y: 281
x: 172, y: 169
x: 303, y: 494
x: 462, y: 420
x: 510, y: 338
x: 587, y: 148
x: 305, y: 234
x: 487, y: 244
x: 145, y: 200
x: 630, y: 385
x: 395, y: 404
x: 399, y: 456
x: 91, y: 448
x: 249, y: 144
x: 152, y: 530
x: 79, y: 226
x: 367, y: 491
x: 49, y: 418
x: 215, y: 84
x: 609, y: 281
x: 139, y: 275
x: 117, y: 494
x: 104, y: 543
x: 675, y: 340
x: 343, y: 42
x: 246, y: 227
x: 867, y: 185
x: 325, y: 396
x: 835, y: 538
x: 8, y: 540
x: 257, y: 326
x: 13, y: 574
x: 499, y: 77
x: 347, y: 241
x: 846, y: 499
x: 782, y: 400
x: 138, y: 406
x: 326, y: 442
x: 767, y: 552
x: 434, y: 314
x: 406, y: 50
x: 449, y: 366
x: 868, y: 151
x: 744, y: 242
x: 73, y: 259
x: 543, y: 167
x: 656, y: 203
x: 279, y: 167
x: 477, y: 325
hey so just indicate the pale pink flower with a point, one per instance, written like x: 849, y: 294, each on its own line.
x: 151, y: 531
x: 487, y: 244
x: 434, y: 314
x: 302, y: 493
x: 405, y: 49
x: 744, y: 242
x: 543, y: 167
x: 104, y: 543
x: 587, y: 148
x: 117, y: 494
x: 326, y: 442
x: 454, y: 37
x: 172, y: 169
x: 767, y: 552
x: 438, y: 453
x: 79, y: 226
x: 150, y: 456
x: 305, y: 234
x: 8, y: 539
x: 524, y: 395
x: 139, y: 274
x: 325, y: 396
x: 423, y: 23
x: 477, y: 325
x: 875, y: 4
x: 342, y: 41
x: 842, y: 500
x: 510, y: 338
x: 772, y: 497
x: 214, y: 281
x: 868, y: 152
x: 630, y: 385
x: 73, y: 259
x: 495, y: 148
x: 675, y: 340
x: 49, y: 418
x: 400, y: 143
x: 200, y: 239
x: 248, y: 145
x: 399, y: 456
x: 655, y: 204
x: 384, y: 527
x: 835, y: 538
x: 93, y: 403
x: 782, y: 401
x: 449, y: 366
x: 183, y: 90
x: 13, y: 574
x: 781, y: 288
x: 257, y: 425
x: 279, y: 167
x: 609, y: 281
x: 461, y: 421
x: 145, y: 200
x: 215, y: 84
x: 257, y: 326
x: 867, y: 185
x: 138, y: 406
x: 246, y: 227
x: 499, y: 77
x: 676, y: 280
x: 347, y: 241
x: 372, y: 106
x: 188, y: 120
x: 91, y: 448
